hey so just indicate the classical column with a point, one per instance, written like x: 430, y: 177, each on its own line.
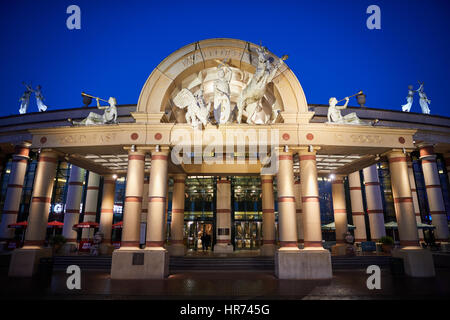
x: 90, y: 204
x: 447, y: 166
x: 157, y: 192
x: 176, y: 247
x: 166, y: 212
x: 312, y: 262
x: 268, y: 216
x: 358, y: 216
x: 72, y: 209
x: 374, y: 203
x: 412, y: 182
x: 299, y: 211
x: 144, y: 210
x: 153, y: 261
x: 287, y: 217
x: 106, y: 214
x: 340, y: 214
x: 24, y: 261
x: 223, y: 216
x: 310, y: 198
x: 434, y: 194
x: 417, y: 262
x: 14, y: 190
x: 133, y: 201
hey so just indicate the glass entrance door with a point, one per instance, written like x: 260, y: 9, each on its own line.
x: 194, y: 231
x: 248, y: 235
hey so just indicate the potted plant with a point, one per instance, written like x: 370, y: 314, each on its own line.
x: 57, y: 241
x: 387, y: 243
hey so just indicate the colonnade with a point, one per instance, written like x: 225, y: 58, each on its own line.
x: 298, y: 200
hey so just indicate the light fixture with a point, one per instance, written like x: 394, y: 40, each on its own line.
x: 286, y: 148
x: 404, y: 150
x: 114, y: 176
x: 310, y: 148
x: 133, y: 148
x: 158, y: 148
x: 332, y: 176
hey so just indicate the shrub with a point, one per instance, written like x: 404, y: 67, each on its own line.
x: 387, y: 240
x: 57, y: 239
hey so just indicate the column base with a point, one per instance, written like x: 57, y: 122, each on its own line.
x: 304, y: 264
x: 149, y: 263
x: 417, y: 262
x: 268, y: 250
x: 223, y: 248
x: 106, y: 249
x: 69, y: 248
x: 25, y: 261
x: 339, y: 249
x: 176, y: 250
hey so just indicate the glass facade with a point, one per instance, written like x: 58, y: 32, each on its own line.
x: 119, y: 199
x: 59, y: 193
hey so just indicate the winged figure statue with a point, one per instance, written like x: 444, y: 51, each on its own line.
x: 197, y: 112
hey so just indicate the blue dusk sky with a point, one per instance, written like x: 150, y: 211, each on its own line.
x: 330, y: 49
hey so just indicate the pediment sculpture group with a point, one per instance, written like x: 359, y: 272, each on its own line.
x: 249, y: 103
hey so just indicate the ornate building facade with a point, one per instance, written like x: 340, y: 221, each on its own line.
x: 223, y: 142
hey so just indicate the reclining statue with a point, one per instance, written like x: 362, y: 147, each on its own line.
x: 108, y: 116
x: 334, y: 113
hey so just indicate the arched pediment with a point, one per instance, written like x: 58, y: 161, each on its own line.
x: 196, y: 63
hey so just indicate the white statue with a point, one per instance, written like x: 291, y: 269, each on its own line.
x: 25, y: 99
x: 222, y: 101
x: 334, y: 113
x: 197, y: 112
x: 424, y: 101
x: 256, y: 88
x: 409, y: 99
x: 40, y: 99
x: 108, y: 116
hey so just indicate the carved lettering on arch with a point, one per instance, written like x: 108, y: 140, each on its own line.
x: 82, y: 139
x: 365, y: 138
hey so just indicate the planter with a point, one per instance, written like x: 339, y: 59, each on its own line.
x: 387, y: 248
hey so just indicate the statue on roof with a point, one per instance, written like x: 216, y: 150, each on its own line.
x: 250, y: 97
x: 40, y: 99
x: 334, y: 112
x: 109, y: 115
x: 222, y: 100
x: 409, y: 99
x: 424, y: 101
x: 25, y: 99
x: 197, y: 112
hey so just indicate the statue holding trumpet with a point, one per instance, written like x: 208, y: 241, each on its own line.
x: 109, y: 115
x: 334, y: 112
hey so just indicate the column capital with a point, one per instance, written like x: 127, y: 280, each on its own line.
x: 396, y: 155
x: 179, y: 178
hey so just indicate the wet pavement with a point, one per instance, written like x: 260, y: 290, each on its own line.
x: 345, y: 284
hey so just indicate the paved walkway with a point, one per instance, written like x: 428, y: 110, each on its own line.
x: 228, y: 285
